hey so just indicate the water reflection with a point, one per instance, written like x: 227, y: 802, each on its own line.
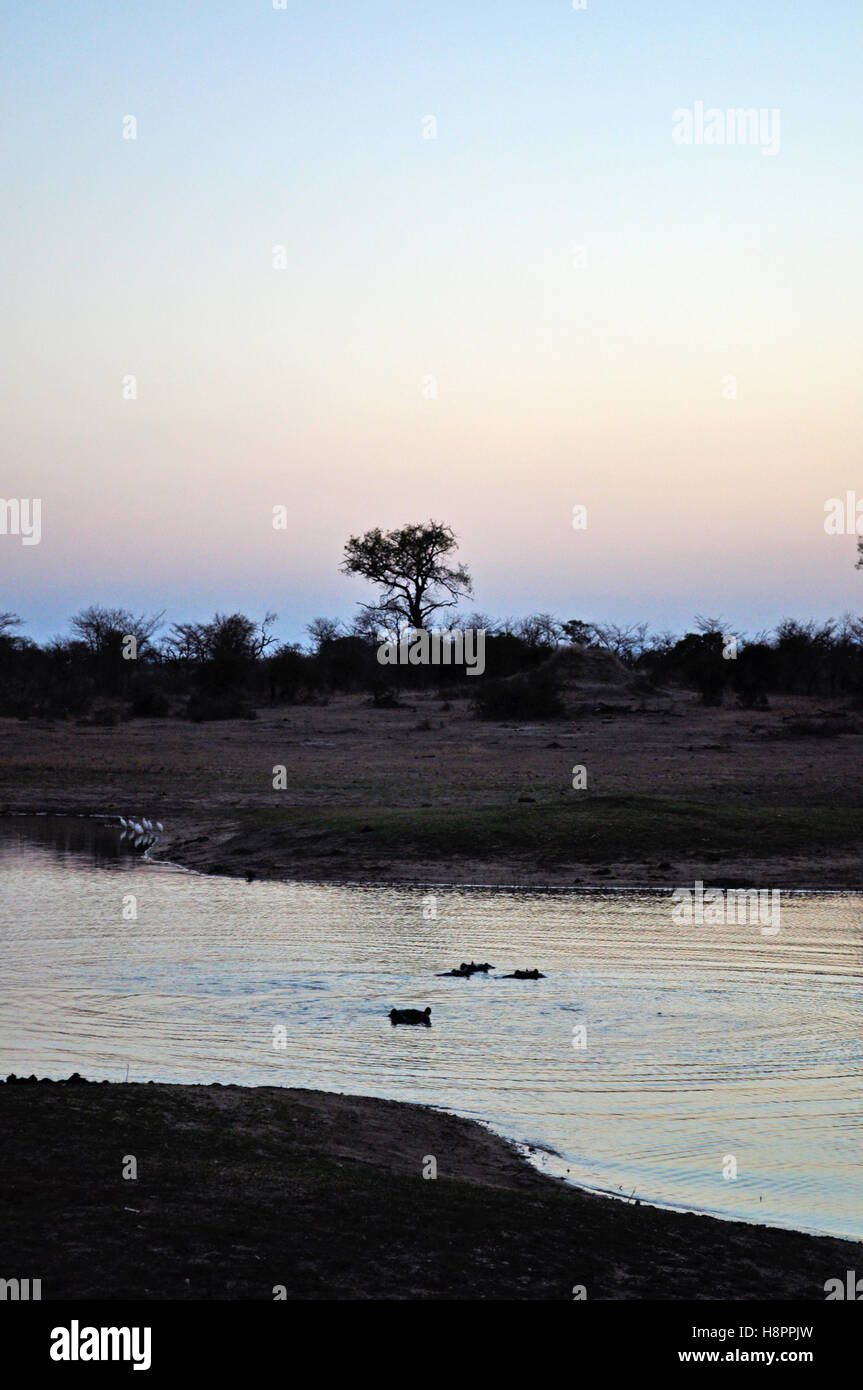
x: 75, y: 841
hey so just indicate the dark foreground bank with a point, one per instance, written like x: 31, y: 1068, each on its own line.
x: 240, y: 1191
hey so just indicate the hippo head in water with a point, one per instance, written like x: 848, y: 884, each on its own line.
x: 411, y: 1016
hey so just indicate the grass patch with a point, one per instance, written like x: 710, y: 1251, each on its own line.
x: 592, y: 829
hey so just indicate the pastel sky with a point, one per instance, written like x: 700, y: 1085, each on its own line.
x: 597, y: 376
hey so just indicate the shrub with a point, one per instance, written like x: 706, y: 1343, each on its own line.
x: 535, y: 695
x: 202, y: 708
x: 150, y: 703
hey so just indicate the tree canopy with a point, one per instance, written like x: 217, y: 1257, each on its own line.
x: 412, y: 566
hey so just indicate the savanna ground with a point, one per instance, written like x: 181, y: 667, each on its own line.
x: 426, y: 792
x: 242, y: 1190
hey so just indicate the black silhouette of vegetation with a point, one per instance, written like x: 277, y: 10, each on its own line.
x: 116, y: 664
x: 532, y: 695
x: 225, y: 668
x: 412, y: 568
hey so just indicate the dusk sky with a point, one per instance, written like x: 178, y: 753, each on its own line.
x: 540, y: 306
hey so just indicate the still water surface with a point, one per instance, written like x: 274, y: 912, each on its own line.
x: 701, y: 1042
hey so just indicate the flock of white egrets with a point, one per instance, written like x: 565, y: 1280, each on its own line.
x: 142, y: 833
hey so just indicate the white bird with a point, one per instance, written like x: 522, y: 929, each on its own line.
x: 138, y: 828
x: 160, y: 827
x: 147, y: 824
x: 123, y: 822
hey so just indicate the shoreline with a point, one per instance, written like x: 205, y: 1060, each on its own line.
x: 426, y: 793
x: 231, y: 855
x: 242, y: 1189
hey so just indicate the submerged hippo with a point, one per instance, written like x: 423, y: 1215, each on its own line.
x: 465, y: 971
x: 411, y: 1016
x: 524, y: 975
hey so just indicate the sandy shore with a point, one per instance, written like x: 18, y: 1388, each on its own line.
x: 427, y: 793
x: 240, y: 1190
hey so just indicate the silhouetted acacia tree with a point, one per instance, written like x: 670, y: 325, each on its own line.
x: 539, y: 630
x: 226, y: 637
x: 412, y: 567
x: 102, y: 630
x: 223, y: 651
x: 323, y: 630
x: 625, y: 640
